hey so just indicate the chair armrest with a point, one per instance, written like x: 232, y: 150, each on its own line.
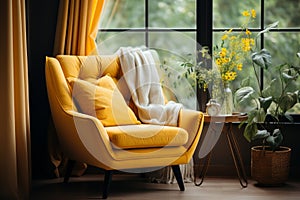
x: 93, y: 138
x: 192, y: 121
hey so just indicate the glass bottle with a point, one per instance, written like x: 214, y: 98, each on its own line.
x: 227, y: 105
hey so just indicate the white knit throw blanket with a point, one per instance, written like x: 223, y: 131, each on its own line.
x: 143, y: 86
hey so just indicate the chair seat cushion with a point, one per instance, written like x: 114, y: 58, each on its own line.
x: 145, y: 136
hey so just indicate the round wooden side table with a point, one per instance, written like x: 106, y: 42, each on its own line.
x: 226, y: 121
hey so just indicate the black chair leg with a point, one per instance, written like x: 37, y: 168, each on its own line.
x: 107, y: 181
x: 70, y: 166
x: 178, y: 176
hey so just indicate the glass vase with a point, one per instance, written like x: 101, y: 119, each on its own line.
x: 227, y: 105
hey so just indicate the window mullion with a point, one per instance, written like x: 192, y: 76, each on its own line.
x: 262, y: 39
x: 147, y: 23
x: 204, y: 38
x: 204, y: 23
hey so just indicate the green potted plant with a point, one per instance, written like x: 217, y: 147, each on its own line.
x: 268, y: 110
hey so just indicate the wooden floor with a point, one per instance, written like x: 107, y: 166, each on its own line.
x: 133, y: 187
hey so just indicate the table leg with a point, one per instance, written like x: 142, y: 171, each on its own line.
x: 202, y: 171
x: 236, y: 155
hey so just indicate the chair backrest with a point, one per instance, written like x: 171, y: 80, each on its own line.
x: 57, y: 71
x: 62, y: 67
x: 84, y: 67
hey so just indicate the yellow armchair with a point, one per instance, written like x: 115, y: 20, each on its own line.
x: 122, y: 143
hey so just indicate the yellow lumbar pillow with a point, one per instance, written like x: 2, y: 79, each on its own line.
x: 103, y: 101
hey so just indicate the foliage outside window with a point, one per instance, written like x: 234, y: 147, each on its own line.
x: 147, y: 22
x: 228, y: 58
x: 158, y: 22
x: 283, y: 42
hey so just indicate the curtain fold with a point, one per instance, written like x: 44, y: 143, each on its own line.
x: 77, y: 26
x: 76, y: 32
x: 15, y: 174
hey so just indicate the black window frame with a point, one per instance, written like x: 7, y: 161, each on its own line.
x: 204, y: 21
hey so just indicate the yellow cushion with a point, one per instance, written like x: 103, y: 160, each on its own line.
x: 146, y: 135
x: 103, y: 101
x: 106, y: 82
x: 111, y: 65
x: 90, y: 69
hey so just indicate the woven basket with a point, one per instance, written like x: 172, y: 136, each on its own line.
x: 268, y: 167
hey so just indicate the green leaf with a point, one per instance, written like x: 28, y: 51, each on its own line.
x: 245, y: 82
x: 261, y: 134
x: 250, y: 131
x: 262, y: 58
x: 245, y: 99
x: 294, y: 109
x: 271, y: 141
x: 251, y: 115
x: 274, y: 89
x: 278, y: 136
x: 288, y: 77
x: 287, y: 101
x: 268, y: 28
x: 260, y: 116
x: 265, y: 102
x: 275, y: 139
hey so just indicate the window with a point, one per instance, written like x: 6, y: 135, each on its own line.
x: 283, y: 42
x: 160, y: 24
x: 179, y: 25
x: 168, y: 26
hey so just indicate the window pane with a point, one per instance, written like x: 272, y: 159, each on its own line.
x: 283, y: 48
x: 172, y: 13
x: 227, y: 14
x: 123, y: 14
x: 286, y: 12
x: 173, y: 48
x: 177, y: 42
x: 110, y: 42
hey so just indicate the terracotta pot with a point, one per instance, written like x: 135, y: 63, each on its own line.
x: 270, y: 167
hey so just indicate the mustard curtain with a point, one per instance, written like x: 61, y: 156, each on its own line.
x: 15, y: 175
x: 77, y: 26
x: 76, y: 31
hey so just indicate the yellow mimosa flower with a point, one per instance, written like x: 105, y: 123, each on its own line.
x: 248, y: 32
x: 234, y: 49
x: 239, y: 66
x: 253, y: 13
x: 218, y: 61
x: 246, y: 44
x: 224, y: 60
x: 224, y: 37
x: 232, y: 38
x: 246, y: 13
x: 223, y: 52
x: 230, y: 76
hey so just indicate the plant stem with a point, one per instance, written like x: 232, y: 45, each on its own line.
x: 257, y: 79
